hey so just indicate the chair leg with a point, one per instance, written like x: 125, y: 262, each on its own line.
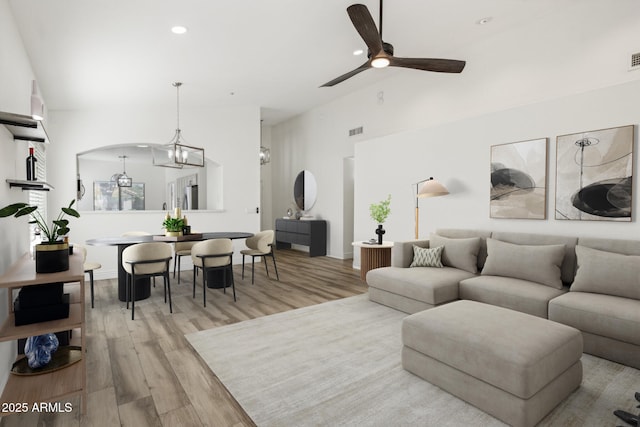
x: 265, y: 266
x: 127, y: 287
x: 242, y: 266
x: 253, y: 270
x: 179, y: 257
x: 233, y: 282
x: 275, y: 267
x: 169, y: 289
x: 91, y: 284
x: 174, y: 266
x: 164, y: 288
x: 224, y: 280
x: 133, y: 295
x: 204, y: 285
x: 194, y: 281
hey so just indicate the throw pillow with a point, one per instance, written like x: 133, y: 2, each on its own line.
x: 607, y: 273
x: 458, y: 253
x: 540, y: 264
x: 426, y: 257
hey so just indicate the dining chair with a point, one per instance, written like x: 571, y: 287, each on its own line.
x: 260, y: 245
x: 181, y: 249
x: 146, y: 260
x: 88, y: 266
x: 211, y: 255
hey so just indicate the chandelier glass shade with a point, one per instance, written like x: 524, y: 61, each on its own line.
x: 177, y: 154
x: 122, y: 179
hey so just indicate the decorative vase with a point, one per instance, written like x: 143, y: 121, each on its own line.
x: 52, y: 257
x: 173, y: 233
x: 380, y: 231
x: 39, y: 349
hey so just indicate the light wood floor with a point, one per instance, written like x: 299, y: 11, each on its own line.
x: 144, y: 372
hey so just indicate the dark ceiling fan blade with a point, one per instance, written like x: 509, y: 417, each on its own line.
x: 366, y: 27
x: 429, y: 64
x: 344, y: 77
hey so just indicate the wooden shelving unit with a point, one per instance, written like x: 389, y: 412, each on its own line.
x: 63, y: 383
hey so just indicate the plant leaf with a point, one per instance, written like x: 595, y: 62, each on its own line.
x: 11, y: 209
x: 61, y: 222
x: 26, y: 211
x: 62, y: 231
x: 71, y: 212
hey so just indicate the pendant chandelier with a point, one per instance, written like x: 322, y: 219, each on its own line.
x: 177, y: 154
x: 122, y: 179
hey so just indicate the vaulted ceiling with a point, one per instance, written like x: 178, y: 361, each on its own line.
x: 92, y: 54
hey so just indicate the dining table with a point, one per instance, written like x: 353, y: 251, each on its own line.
x: 143, y: 285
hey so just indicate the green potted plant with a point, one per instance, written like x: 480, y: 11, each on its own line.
x: 173, y: 226
x: 379, y: 213
x: 52, y: 254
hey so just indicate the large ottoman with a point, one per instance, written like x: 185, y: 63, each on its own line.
x: 512, y: 365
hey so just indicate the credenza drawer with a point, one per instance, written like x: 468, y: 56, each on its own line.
x: 305, y: 233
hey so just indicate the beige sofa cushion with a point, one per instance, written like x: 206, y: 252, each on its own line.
x: 458, y: 253
x: 607, y: 273
x: 540, y: 264
x: 515, y: 294
x: 604, y: 315
x: 434, y: 286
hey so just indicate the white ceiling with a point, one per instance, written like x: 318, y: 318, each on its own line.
x: 275, y: 54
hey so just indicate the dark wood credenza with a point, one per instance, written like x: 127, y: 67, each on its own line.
x: 312, y: 233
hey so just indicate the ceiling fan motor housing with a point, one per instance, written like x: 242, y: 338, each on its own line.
x: 387, y: 47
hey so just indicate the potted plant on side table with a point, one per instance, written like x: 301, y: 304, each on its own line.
x: 379, y: 213
x: 52, y: 254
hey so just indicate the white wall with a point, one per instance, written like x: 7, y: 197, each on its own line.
x: 586, y: 47
x: 458, y: 154
x: 15, y: 95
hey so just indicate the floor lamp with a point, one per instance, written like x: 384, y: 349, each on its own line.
x: 430, y: 188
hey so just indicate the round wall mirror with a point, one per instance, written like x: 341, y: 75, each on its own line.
x: 305, y: 190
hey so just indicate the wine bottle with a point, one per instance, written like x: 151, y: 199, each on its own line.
x: 31, y: 166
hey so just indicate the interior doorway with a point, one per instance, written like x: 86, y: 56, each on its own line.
x: 348, y: 206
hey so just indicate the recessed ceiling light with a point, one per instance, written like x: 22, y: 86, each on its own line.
x: 484, y: 21
x: 358, y: 52
x: 178, y: 29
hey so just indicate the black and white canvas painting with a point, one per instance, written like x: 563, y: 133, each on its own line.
x: 519, y: 180
x: 594, y: 172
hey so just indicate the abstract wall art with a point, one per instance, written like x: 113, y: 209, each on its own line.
x: 594, y: 172
x: 519, y: 180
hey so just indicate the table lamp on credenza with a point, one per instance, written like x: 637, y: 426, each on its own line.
x: 430, y: 188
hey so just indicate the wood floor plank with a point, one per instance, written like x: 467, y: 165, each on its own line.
x: 131, y: 363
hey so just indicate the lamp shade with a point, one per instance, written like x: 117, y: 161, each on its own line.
x: 432, y: 188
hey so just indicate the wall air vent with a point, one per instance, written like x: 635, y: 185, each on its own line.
x: 635, y: 61
x: 355, y: 131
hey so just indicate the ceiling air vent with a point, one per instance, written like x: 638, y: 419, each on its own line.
x: 635, y: 61
x: 355, y: 131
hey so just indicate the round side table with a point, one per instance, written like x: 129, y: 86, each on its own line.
x: 373, y: 255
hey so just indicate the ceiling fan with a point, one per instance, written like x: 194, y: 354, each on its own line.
x: 381, y: 53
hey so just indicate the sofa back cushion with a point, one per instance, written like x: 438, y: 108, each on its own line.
x: 626, y: 247
x: 458, y: 253
x: 535, y: 263
x: 607, y: 273
x: 462, y: 233
x: 568, y: 268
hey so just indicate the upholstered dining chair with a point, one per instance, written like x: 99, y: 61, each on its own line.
x: 260, y: 245
x: 89, y: 266
x: 146, y: 260
x: 181, y: 249
x: 210, y: 255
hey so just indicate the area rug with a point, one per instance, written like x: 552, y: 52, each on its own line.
x: 338, y: 364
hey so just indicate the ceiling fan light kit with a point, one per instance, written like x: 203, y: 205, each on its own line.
x: 381, y: 53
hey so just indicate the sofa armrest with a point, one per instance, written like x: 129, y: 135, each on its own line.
x: 402, y: 252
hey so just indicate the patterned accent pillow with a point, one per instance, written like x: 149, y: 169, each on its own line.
x: 427, y: 257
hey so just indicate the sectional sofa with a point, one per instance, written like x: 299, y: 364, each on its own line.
x: 591, y: 284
